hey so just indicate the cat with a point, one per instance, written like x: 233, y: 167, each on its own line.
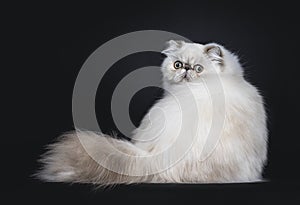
x: 207, y: 99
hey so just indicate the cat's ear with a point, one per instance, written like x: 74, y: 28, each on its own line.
x: 172, y: 46
x: 214, y: 53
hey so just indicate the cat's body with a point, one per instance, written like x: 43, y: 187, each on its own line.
x: 170, y: 144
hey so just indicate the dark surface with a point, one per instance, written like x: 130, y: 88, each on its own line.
x: 47, y: 45
x: 261, y: 193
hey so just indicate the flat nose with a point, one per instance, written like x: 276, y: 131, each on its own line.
x: 187, y: 67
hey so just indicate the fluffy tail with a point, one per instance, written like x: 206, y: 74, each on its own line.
x: 87, y: 157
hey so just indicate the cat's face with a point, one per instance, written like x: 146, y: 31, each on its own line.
x: 188, y: 62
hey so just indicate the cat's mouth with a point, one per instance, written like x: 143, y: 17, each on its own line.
x: 183, y: 76
x: 186, y: 78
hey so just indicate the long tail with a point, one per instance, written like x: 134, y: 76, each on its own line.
x: 87, y: 157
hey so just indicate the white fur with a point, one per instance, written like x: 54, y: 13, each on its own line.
x: 238, y: 156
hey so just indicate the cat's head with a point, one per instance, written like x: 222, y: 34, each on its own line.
x: 189, y: 62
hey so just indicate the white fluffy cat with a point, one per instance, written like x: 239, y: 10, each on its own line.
x: 210, y: 127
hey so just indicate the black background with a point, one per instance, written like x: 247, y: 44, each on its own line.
x: 48, y: 43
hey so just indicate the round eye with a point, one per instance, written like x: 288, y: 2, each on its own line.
x: 178, y: 64
x: 198, y: 68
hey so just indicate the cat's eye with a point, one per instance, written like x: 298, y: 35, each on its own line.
x: 178, y: 65
x: 198, y: 68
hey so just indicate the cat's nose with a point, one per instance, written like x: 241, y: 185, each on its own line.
x: 187, y: 67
